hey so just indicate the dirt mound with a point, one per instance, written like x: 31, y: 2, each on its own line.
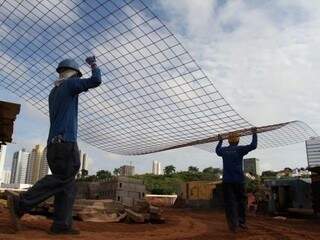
x: 180, y: 225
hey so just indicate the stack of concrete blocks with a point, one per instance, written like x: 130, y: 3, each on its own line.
x: 121, y: 189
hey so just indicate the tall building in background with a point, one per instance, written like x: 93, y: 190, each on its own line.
x: 156, y: 168
x: 84, y: 161
x: 313, y: 151
x: 14, y: 167
x: 3, y: 149
x: 251, y: 165
x: 33, y: 170
x: 44, y: 167
x: 19, y: 167
x: 126, y: 170
x: 6, y: 176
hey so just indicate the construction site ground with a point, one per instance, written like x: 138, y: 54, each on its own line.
x: 180, y: 224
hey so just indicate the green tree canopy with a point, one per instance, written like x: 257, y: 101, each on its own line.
x: 268, y: 174
x: 211, y: 170
x: 103, y: 175
x: 193, y: 169
x: 116, y: 171
x: 84, y: 172
x: 168, y: 170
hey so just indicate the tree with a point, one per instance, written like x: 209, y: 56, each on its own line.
x: 116, y: 171
x: 193, y: 169
x: 211, y: 170
x: 84, y: 173
x: 103, y: 175
x: 252, y: 185
x: 211, y: 173
x: 168, y: 170
x: 269, y: 174
x: 91, y: 178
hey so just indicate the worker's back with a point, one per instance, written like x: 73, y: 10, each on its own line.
x: 63, y: 109
x: 63, y: 105
x: 232, y: 156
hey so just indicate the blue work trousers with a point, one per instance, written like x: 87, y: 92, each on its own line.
x: 64, y: 163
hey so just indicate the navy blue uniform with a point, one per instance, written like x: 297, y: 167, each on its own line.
x: 63, y: 155
x: 233, y: 180
x: 63, y: 105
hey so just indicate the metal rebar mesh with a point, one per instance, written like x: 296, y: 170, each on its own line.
x: 273, y: 136
x: 154, y: 95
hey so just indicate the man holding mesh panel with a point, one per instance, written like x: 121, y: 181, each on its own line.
x: 233, y: 178
x: 62, y: 150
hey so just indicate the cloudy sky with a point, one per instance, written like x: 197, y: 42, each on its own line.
x: 262, y: 56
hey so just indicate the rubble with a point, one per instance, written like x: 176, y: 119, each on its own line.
x: 109, y: 211
x: 8, y: 113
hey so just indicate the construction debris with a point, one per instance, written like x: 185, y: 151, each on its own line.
x: 135, y: 217
x: 109, y: 211
x: 8, y: 113
x: 100, y: 217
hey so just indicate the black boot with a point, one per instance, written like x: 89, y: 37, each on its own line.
x: 56, y: 231
x: 243, y: 226
x: 13, y: 201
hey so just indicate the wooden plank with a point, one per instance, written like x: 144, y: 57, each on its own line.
x: 8, y: 112
x: 241, y: 132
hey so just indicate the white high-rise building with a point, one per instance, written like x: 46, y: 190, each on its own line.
x: 6, y: 176
x: 156, y: 168
x: 313, y: 151
x: 44, y: 167
x: 19, y: 167
x: 33, y: 170
x: 3, y: 149
x: 84, y: 161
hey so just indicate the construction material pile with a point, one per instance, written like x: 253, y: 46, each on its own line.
x: 108, y: 211
x: 8, y: 113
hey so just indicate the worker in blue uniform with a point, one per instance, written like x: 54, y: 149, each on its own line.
x: 62, y: 149
x: 234, y: 179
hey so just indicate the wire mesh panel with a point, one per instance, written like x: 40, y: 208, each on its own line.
x: 154, y: 95
x: 270, y: 136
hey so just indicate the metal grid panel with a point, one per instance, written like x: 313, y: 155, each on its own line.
x: 282, y: 135
x: 153, y: 96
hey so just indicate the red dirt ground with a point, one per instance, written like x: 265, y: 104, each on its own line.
x: 180, y: 225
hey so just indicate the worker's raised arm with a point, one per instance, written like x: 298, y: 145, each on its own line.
x: 219, y: 146
x: 78, y: 86
x: 253, y: 145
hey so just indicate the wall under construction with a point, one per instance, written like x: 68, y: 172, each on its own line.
x: 121, y: 189
x: 201, y: 194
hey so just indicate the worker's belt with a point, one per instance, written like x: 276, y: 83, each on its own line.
x: 57, y: 139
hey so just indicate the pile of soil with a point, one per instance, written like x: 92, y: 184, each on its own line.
x: 180, y: 225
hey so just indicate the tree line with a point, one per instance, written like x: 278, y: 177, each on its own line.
x: 168, y: 183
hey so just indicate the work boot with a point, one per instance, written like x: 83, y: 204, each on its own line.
x: 71, y: 231
x: 233, y: 230
x: 14, y: 209
x: 243, y: 226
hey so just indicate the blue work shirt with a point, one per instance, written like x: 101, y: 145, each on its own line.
x: 63, y: 105
x: 232, y: 156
